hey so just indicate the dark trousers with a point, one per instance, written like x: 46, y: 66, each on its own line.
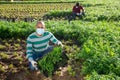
x: 74, y: 15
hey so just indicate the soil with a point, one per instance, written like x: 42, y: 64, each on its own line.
x: 36, y: 75
x: 14, y: 65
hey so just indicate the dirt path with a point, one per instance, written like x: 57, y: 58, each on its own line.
x: 36, y: 75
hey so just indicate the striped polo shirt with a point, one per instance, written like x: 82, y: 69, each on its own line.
x: 39, y: 43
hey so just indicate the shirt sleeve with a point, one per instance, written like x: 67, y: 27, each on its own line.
x: 53, y: 39
x: 81, y: 8
x: 73, y: 10
x: 29, y: 50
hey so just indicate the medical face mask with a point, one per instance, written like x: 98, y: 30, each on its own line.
x: 76, y: 6
x: 40, y: 31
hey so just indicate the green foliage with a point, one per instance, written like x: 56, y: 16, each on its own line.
x: 2, y: 69
x: 96, y: 76
x: 57, y: 14
x: 99, y: 39
x: 2, y: 47
x: 16, y: 30
x: 22, y: 11
x: 104, y: 10
x: 101, y: 51
x: 47, y: 63
x: 35, y: 1
x: 71, y: 71
x: 3, y: 55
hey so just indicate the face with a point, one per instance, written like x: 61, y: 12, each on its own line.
x: 40, y: 28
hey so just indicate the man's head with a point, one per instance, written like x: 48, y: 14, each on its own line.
x: 77, y: 4
x: 40, y: 24
x: 40, y: 28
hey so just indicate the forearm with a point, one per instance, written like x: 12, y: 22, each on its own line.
x: 29, y: 56
x: 54, y: 40
x: 83, y: 10
x: 29, y: 51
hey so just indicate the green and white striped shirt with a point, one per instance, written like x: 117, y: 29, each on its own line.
x: 39, y: 43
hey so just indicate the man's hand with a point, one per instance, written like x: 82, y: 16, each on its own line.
x: 78, y: 14
x: 59, y: 43
x: 34, y: 64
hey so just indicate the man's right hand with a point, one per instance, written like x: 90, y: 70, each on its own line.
x: 34, y: 63
x: 60, y: 43
x: 78, y: 14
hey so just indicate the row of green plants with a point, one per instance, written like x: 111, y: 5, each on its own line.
x: 100, y: 47
x: 99, y: 41
x: 57, y: 58
x: 15, y: 30
x: 35, y: 1
x: 100, y: 11
x: 64, y: 15
x: 96, y: 76
x: 103, y: 10
x: 35, y: 11
x: 101, y: 52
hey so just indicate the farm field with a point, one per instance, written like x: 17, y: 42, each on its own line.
x: 92, y: 44
x: 102, y: 10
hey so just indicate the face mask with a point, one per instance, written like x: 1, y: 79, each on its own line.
x: 76, y: 6
x: 40, y: 31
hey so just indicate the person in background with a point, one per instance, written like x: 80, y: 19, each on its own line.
x: 38, y: 44
x: 78, y: 10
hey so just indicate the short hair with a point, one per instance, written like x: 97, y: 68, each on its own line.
x: 38, y: 22
x: 77, y: 4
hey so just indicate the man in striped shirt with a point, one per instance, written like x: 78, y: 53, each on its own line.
x: 38, y: 44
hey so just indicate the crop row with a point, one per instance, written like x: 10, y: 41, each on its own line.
x: 94, y: 11
x: 13, y: 61
x: 35, y: 11
x: 100, y: 46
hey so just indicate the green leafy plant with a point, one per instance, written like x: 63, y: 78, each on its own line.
x: 96, y: 76
x: 4, y: 55
x: 2, y: 47
x: 48, y: 62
